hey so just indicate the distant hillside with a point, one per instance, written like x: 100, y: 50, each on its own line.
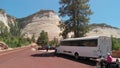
x: 48, y: 21
x: 102, y: 25
x: 103, y: 30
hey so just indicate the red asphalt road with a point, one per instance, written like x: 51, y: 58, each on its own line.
x: 26, y: 58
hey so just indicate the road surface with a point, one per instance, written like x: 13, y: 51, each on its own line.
x: 26, y: 58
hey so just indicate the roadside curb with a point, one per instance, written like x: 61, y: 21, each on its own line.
x: 12, y: 50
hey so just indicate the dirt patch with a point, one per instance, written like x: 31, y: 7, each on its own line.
x: 116, y: 54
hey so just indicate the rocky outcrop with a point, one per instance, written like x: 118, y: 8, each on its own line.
x: 3, y: 46
x: 6, y: 19
x: 104, y: 30
x: 46, y: 20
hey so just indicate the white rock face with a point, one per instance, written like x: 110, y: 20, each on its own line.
x: 46, y: 20
x: 104, y: 31
x: 4, y: 19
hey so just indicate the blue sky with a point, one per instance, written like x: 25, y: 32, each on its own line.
x: 104, y: 11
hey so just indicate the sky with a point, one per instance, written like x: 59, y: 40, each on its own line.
x: 104, y: 11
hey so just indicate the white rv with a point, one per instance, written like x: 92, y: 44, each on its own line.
x: 92, y: 47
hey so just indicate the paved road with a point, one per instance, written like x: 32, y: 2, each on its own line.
x: 26, y: 58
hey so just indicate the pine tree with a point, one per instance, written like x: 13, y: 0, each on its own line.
x: 54, y: 42
x: 77, y: 13
x: 43, y: 38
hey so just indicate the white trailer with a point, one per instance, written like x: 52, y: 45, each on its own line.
x: 92, y: 47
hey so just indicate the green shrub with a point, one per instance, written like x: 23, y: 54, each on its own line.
x: 115, y: 43
x: 54, y: 42
x: 116, y: 47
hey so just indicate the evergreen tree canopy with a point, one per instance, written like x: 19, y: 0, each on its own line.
x: 43, y: 38
x: 54, y: 42
x: 77, y: 12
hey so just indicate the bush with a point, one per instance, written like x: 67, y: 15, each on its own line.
x: 13, y: 37
x: 115, y: 44
x: 54, y: 42
x: 116, y: 47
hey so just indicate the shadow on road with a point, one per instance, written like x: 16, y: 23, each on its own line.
x: 80, y: 60
x: 46, y: 54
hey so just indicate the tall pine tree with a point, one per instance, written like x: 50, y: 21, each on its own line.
x: 43, y: 38
x: 77, y: 13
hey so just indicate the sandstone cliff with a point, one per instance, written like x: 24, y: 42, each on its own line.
x: 6, y: 19
x: 103, y: 30
x: 46, y: 20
